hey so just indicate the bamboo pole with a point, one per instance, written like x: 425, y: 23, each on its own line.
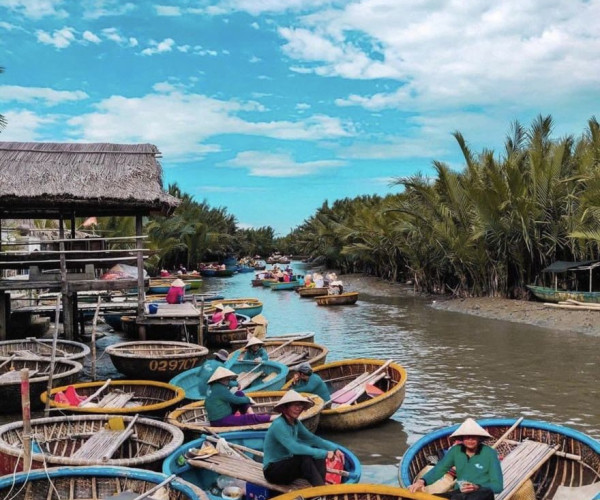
x: 94, y: 324
x: 52, y: 358
x: 26, y: 411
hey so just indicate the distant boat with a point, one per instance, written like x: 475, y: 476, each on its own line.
x: 558, y: 294
x: 547, y: 294
x: 286, y: 285
x: 337, y: 300
x: 308, y: 291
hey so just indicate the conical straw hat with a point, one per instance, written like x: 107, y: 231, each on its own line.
x: 228, y: 310
x: 470, y: 428
x: 178, y: 283
x: 259, y: 319
x: 219, y: 306
x: 222, y: 354
x: 221, y: 373
x: 254, y: 341
x: 292, y: 396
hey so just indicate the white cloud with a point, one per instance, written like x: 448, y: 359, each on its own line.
x: 49, y: 96
x: 264, y: 164
x: 257, y: 7
x: 167, y: 10
x: 35, y: 9
x: 94, y: 9
x: 24, y: 126
x: 59, y: 38
x: 301, y: 106
x: 255, y: 25
x: 159, y: 47
x: 90, y: 37
x: 183, y: 123
x: 254, y: 60
x: 113, y: 35
x: 7, y: 26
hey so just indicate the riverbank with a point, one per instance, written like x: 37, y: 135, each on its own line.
x: 517, y: 311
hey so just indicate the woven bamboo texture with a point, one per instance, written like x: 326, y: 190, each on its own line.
x: 142, y: 396
x: 216, y: 338
x: 355, y: 492
x: 295, y: 353
x: 307, y: 291
x: 574, y: 464
x: 193, y: 421
x: 67, y: 349
x: 59, y: 438
x: 156, y: 360
x: 366, y: 411
x: 65, y: 372
x: 338, y: 300
x: 92, y: 483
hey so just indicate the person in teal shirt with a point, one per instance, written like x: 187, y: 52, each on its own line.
x: 209, y: 367
x: 478, y: 470
x: 305, y: 380
x: 290, y: 450
x: 254, y: 351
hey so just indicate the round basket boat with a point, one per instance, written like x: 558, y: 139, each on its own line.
x: 308, y: 291
x: 248, y: 306
x: 83, y: 483
x: 361, y: 491
x: 65, y: 372
x: 575, y: 464
x: 85, y: 440
x: 121, y: 397
x: 193, y: 421
x: 217, y: 338
x: 42, y: 348
x: 369, y: 408
x: 293, y: 353
x: 156, y: 360
x: 337, y: 300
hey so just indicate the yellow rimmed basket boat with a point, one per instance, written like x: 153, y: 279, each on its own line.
x: 342, y: 299
x: 346, y: 491
x: 293, y: 353
x: 308, y: 291
x: 156, y: 360
x: 121, y: 397
x: 373, y: 405
x: 79, y: 440
x: 192, y: 418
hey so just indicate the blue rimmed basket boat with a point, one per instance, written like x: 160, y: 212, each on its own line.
x: 84, y: 483
x: 575, y: 464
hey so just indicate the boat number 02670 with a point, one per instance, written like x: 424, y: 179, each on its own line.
x: 171, y: 365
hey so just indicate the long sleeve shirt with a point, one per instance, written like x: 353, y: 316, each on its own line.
x: 261, y: 353
x: 284, y: 440
x: 314, y: 385
x: 208, y: 368
x: 219, y: 400
x: 482, y: 469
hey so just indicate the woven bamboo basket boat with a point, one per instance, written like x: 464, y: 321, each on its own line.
x: 247, y: 306
x: 193, y: 421
x: 366, y: 410
x: 307, y: 291
x: 84, y: 440
x: 122, y: 397
x: 269, y: 376
x: 156, y: 360
x: 361, y: 491
x: 337, y: 300
x: 216, y: 338
x: 42, y: 348
x: 85, y: 483
x: 292, y: 354
x: 65, y: 372
x: 575, y: 464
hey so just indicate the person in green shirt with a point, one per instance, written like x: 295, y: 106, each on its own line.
x: 304, y: 380
x: 254, y: 351
x: 478, y: 471
x: 225, y: 409
x: 209, y: 367
x: 290, y: 450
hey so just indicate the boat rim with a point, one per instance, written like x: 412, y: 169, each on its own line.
x: 76, y: 367
x: 194, y: 350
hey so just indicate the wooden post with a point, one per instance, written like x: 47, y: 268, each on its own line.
x: 52, y: 360
x: 26, y: 409
x: 66, y: 300
x: 139, y: 245
x: 4, y: 314
x: 94, y: 323
x: 201, y: 326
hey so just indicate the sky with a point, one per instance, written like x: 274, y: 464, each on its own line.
x: 271, y: 107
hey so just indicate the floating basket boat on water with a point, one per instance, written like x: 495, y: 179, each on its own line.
x: 300, y: 337
x: 89, y: 440
x: 161, y: 286
x: 247, y: 306
x: 193, y: 421
x: 544, y: 457
x: 364, y: 392
x: 355, y: 492
x: 337, y: 300
x: 42, y: 348
x: 156, y: 360
x: 220, y: 337
x: 266, y: 376
x: 291, y: 352
x: 204, y: 472
x: 118, y: 397
x: 307, y: 291
x: 286, y: 285
x: 101, y: 483
x: 65, y: 372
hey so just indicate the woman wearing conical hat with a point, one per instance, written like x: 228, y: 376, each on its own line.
x: 478, y: 471
x: 291, y: 451
x: 225, y: 409
x: 176, y: 292
x: 254, y: 351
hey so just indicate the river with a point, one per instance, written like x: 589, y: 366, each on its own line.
x: 458, y: 365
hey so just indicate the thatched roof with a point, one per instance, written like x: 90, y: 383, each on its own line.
x: 45, y: 179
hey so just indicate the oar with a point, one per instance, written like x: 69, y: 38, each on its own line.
x: 507, y: 433
x: 126, y: 496
x: 353, y: 385
x: 270, y: 354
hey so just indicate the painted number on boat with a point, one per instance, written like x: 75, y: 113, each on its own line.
x: 172, y: 365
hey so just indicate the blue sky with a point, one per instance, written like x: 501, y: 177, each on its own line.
x: 270, y: 107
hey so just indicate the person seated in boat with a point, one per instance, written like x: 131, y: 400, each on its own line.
x: 217, y: 318
x: 164, y: 273
x: 225, y: 409
x: 478, y: 471
x: 319, y: 281
x: 230, y: 320
x: 286, y: 278
x: 305, y: 380
x: 209, y: 367
x: 335, y: 288
x: 176, y: 292
x: 254, y: 351
x: 260, y: 330
x: 308, y: 281
x: 291, y: 451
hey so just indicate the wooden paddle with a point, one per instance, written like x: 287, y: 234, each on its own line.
x: 130, y: 495
x: 270, y: 354
x: 360, y: 381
